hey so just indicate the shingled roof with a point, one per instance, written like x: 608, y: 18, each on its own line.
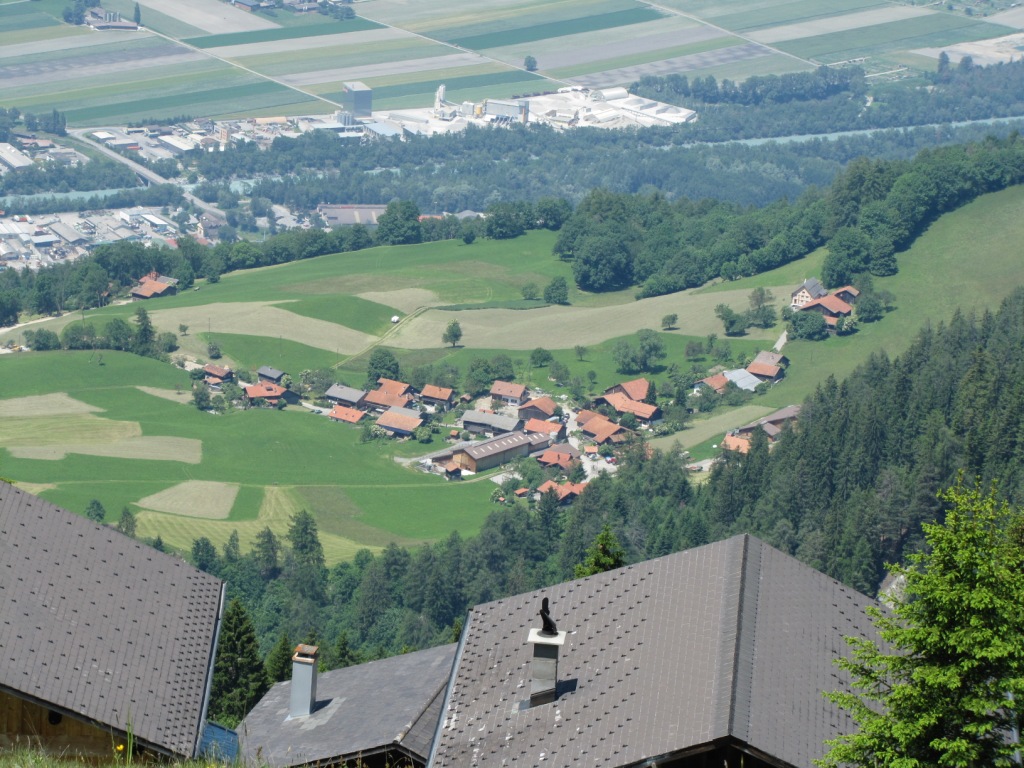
x: 391, y: 705
x: 102, y: 627
x: 727, y: 644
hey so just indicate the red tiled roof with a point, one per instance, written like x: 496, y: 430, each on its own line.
x: 564, y: 490
x: 831, y: 303
x: 735, y: 443
x: 717, y: 382
x: 636, y: 389
x: 381, y: 398
x: 544, y: 404
x: 437, y: 393
x: 763, y: 369
x: 217, y: 370
x: 547, y: 427
x: 392, y: 387
x: 398, y: 421
x: 584, y: 416
x: 601, y: 429
x: 265, y: 389
x: 623, y: 404
x: 508, y: 389
x: 847, y: 289
x: 553, y: 458
x: 348, y: 415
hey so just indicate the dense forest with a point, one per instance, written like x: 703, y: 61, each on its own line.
x: 845, y: 490
x: 835, y: 99
x: 872, y: 210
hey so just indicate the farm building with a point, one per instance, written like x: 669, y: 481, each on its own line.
x: 637, y: 389
x: 381, y: 713
x: 347, y: 415
x: 623, y: 404
x: 102, y: 636
x: 153, y: 285
x: 438, y: 397
x: 400, y: 421
x: 479, y: 422
x: 347, y: 396
x: 538, y: 408
x: 507, y: 392
x: 269, y: 393
x: 13, y: 158
x: 498, y: 450
x: 553, y: 429
x: 267, y: 373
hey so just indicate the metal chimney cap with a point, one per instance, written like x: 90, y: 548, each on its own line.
x: 306, y: 654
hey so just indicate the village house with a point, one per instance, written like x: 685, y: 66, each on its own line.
x: 600, y: 428
x: 389, y: 394
x: 350, y: 397
x: 561, y: 455
x: 768, y: 366
x: 831, y: 308
x: 718, y: 382
x: 809, y: 290
x: 400, y: 421
x: 539, y: 408
x: 439, y: 398
x: 507, y: 392
x: 216, y: 375
x: 152, y: 285
x: 266, y: 393
x: 742, y: 378
x: 105, y: 640
x: 847, y: 293
x: 644, y: 412
x: 637, y: 389
x: 274, y: 376
x: 345, y: 414
x: 553, y: 429
x: 566, y: 492
x: 772, y: 425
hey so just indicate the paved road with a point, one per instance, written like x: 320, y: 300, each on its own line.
x: 154, y: 178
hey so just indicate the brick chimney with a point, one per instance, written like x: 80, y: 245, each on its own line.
x: 304, y: 664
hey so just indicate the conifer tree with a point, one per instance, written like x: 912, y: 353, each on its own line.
x: 605, y: 554
x: 279, y: 661
x: 944, y: 690
x: 95, y: 511
x: 239, y: 678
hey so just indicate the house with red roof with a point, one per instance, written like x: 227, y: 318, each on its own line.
x: 643, y: 411
x: 154, y: 284
x: 602, y: 430
x: 718, y: 382
x: 538, y: 408
x: 566, y: 492
x: 554, y: 429
x: 508, y: 392
x: 381, y: 401
x: 346, y: 414
x: 399, y: 421
x: 637, y: 389
x: 216, y: 375
x: 267, y: 393
x: 440, y: 398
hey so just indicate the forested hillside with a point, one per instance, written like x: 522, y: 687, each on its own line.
x: 845, y: 491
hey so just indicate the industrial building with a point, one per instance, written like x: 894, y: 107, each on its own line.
x: 358, y: 98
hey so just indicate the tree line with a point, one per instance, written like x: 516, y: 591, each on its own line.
x: 872, y: 210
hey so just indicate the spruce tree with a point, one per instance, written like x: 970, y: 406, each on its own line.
x: 279, y: 661
x: 239, y: 678
x: 605, y: 554
x: 95, y: 511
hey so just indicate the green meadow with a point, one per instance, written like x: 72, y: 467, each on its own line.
x: 293, y: 454
x: 589, y: 22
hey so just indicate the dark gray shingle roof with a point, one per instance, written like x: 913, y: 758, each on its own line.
x: 360, y: 710
x: 99, y: 625
x: 731, y: 640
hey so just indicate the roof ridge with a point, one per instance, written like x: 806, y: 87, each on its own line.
x: 746, y: 626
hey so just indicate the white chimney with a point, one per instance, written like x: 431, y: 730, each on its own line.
x: 304, y: 664
x: 544, y: 667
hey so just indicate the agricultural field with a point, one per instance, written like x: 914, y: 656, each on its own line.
x: 120, y: 429
x: 92, y: 432
x: 211, y: 59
